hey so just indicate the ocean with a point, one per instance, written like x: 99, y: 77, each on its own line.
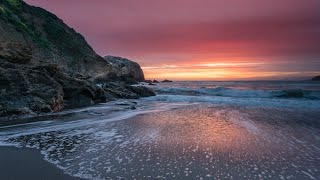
x: 190, y: 130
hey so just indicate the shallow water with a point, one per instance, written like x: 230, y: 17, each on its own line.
x: 181, y: 137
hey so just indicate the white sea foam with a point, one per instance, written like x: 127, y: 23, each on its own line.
x: 243, y: 120
x: 241, y: 93
x: 48, y: 126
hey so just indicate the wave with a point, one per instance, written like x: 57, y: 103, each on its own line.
x: 241, y: 93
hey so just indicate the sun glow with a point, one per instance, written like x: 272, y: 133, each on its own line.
x: 200, y: 71
x: 217, y: 71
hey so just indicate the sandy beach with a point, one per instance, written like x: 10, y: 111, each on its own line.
x: 25, y: 163
x: 186, y: 142
x: 182, y: 133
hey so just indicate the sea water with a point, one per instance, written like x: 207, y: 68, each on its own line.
x: 190, y: 130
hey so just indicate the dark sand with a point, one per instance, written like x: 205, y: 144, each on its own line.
x: 190, y: 142
x: 24, y: 163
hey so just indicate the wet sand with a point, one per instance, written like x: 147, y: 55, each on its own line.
x: 24, y: 163
x: 185, y: 142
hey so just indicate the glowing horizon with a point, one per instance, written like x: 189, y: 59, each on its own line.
x: 220, y: 72
x: 202, y: 40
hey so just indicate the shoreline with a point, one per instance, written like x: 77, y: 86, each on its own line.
x: 25, y: 163
x: 15, y: 120
x: 187, y: 141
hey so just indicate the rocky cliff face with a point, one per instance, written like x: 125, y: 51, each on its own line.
x: 48, y: 38
x: 123, y: 67
x: 46, y: 66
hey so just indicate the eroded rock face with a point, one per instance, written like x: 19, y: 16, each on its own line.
x: 26, y: 29
x: 123, y: 67
x: 48, y: 89
x: 26, y: 90
x: 15, y: 52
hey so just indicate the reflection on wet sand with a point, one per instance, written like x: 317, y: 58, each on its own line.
x: 189, y: 142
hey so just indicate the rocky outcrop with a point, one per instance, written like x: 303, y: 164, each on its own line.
x: 141, y: 91
x: 123, y: 67
x: 26, y: 90
x: 155, y: 81
x: 317, y: 78
x: 166, y: 80
x: 46, y: 66
x: 48, y: 89
x: 16, y: 53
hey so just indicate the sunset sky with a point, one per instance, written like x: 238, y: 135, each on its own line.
x: 202, y: 39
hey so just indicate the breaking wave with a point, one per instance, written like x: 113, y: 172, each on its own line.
x: 241, y: 93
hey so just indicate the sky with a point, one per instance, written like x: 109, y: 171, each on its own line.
x: 202, y: 39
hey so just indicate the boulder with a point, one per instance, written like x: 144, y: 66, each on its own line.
x: 122, y: 67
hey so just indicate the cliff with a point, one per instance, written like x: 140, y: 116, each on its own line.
x: 48, y: 38
x: 46, y: 66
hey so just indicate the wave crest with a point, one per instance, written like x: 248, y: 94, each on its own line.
x: 241, y: 93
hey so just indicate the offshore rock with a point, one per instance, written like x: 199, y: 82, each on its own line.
x: 317, y: 78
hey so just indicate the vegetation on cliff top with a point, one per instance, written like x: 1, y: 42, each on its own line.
x: 2, y: 11
x: 47, y: 31
x: 16, y: 4
x: 10, y: 10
